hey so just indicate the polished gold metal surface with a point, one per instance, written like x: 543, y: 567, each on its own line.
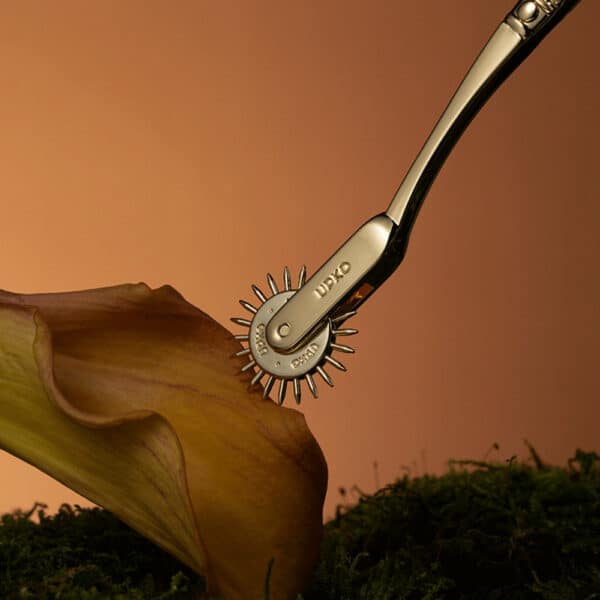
x: 429, y: 160
x: 330, y: 284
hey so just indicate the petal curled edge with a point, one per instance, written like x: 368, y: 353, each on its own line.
x: 132, y: 397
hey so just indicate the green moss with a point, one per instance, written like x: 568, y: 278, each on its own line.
x: 85, y: 554
x: 484, y: 530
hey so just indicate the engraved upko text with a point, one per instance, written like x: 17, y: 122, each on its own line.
x: 308, y: 353
x: 259, y: 339
x: 329, y: 281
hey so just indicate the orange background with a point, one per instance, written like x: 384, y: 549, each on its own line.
x: 203, y: 144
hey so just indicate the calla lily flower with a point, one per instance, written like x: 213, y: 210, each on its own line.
x: 132, y: 397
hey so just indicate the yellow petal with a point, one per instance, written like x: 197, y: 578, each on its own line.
x: 132, y: 397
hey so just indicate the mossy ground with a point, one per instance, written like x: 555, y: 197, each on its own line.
x: 482, y: 531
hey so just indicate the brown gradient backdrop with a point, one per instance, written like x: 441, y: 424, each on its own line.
x: 203, y: 144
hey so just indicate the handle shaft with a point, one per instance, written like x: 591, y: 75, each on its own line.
x: 524, y: 27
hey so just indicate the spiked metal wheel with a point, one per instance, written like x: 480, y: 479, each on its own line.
x: 304, y: 361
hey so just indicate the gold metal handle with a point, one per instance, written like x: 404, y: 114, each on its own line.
x: 369, y: 257
x: 523, y: 28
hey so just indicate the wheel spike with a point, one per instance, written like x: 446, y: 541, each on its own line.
x: 272, y: 284
x: 325, y: 376
x: 311, y: 385
x: 344, y: 331
x: 243, y: 352
x: 302, y: 277
x: 248, y: 366
x: 343, y: 317
x: 336, y: 363
x: 259, y: 293
x: 282, y: 389
x: 287, y: 279
x: 240, y: 321
x: 297, y: 390
x: 342, y: 348
x: 242, y: 337
x: 268, y: 386
x: 249, y: 307
x: 257, y: 377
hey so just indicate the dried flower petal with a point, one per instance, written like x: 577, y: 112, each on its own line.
x: 132, y: 397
